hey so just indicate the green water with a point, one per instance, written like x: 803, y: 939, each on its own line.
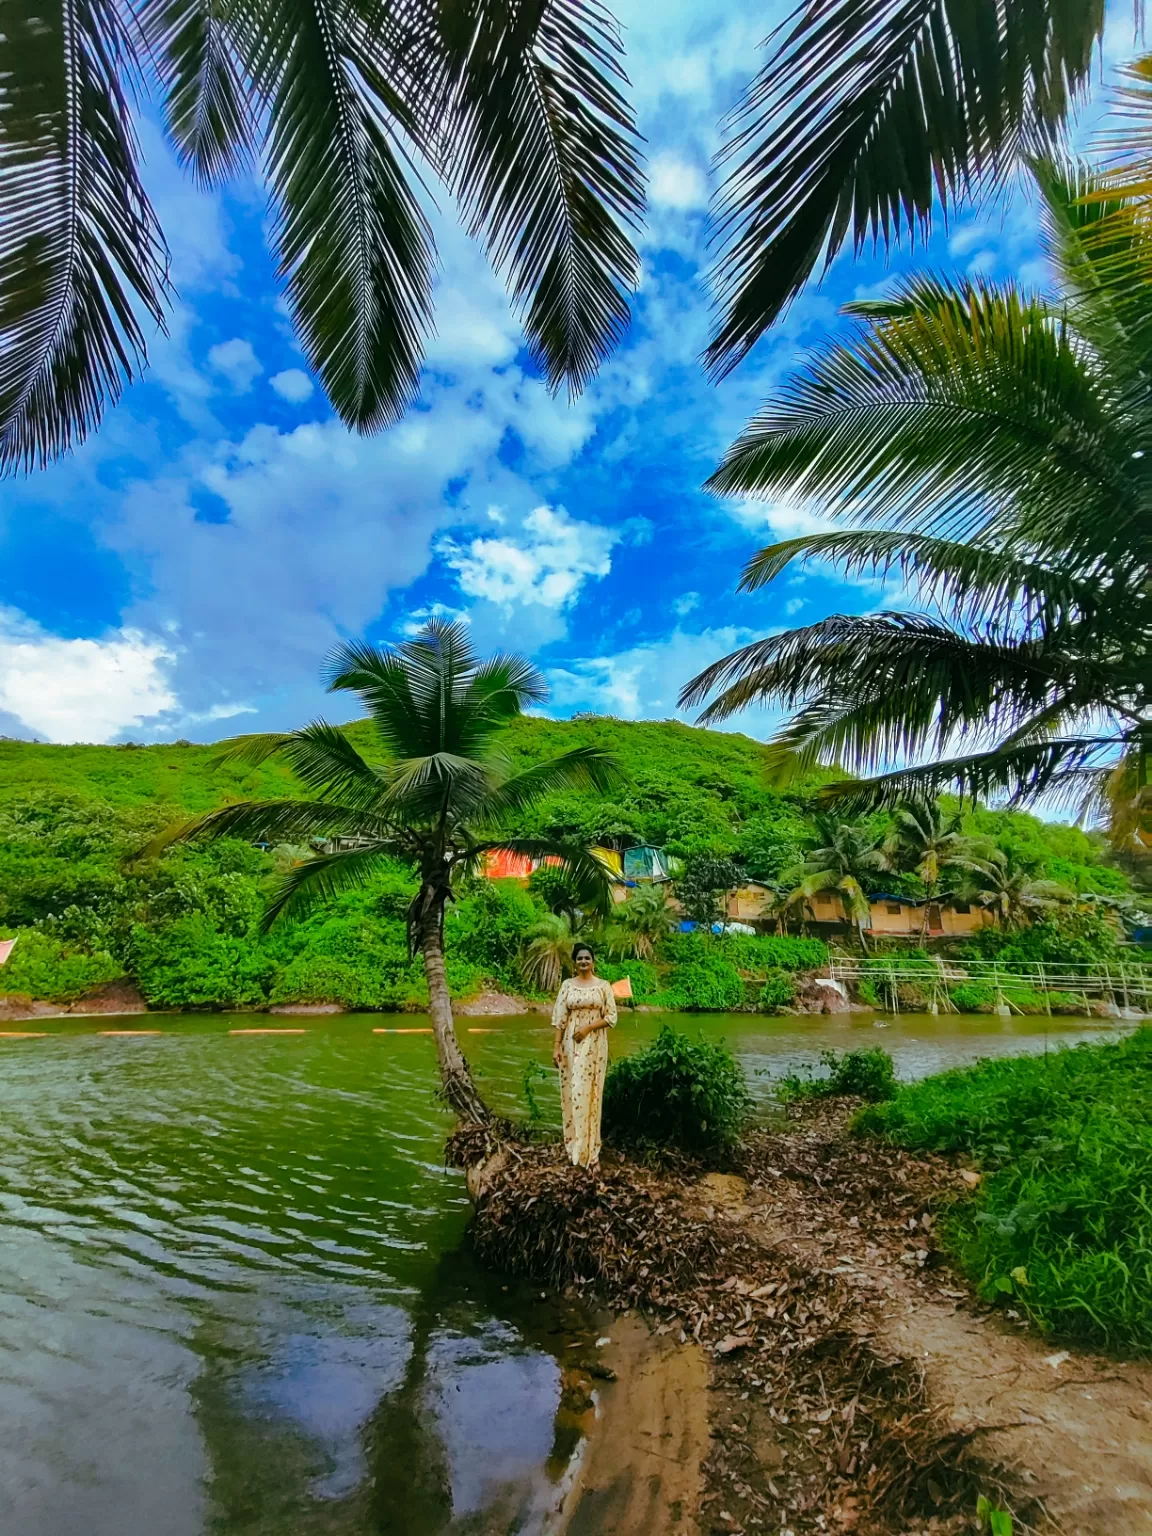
x: 233, y: 1300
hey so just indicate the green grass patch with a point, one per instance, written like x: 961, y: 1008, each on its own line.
x: 1061, y: 1225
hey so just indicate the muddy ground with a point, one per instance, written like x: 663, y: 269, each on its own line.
x: 851, y: 1380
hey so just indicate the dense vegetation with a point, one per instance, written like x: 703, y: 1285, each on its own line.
x: 1061, y: 1224
x: 185, y: 927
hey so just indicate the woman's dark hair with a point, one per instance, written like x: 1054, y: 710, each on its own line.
x: 584, y: 949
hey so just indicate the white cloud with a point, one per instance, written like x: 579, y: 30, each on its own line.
x: 548, y: 565
x: 293, y: 385
x: 644, y: 682
x: 676, y: 183
x: 685, y: 603
x: 82, y: 690
x: 236, y: 361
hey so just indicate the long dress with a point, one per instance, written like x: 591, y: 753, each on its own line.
x: 584, y: 1064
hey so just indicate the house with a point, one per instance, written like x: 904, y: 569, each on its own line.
x: 750, y: 903
x: 894, y: 916
x: 646, y: 863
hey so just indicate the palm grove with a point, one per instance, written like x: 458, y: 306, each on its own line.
x: 983, y: 443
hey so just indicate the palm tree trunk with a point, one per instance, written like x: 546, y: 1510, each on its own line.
x: 457, y: 1086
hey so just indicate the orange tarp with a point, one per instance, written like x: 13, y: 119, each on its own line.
x: 501, y: 865
x: 623, y: 987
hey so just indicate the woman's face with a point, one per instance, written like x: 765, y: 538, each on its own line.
x: 584, y: 963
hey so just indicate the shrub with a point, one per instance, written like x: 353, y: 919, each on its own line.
x: 642, y: 974
x: 689, y: 1095
x: 778, y: 991
x: 865, y: 1074
x: 764, y: 952
x: 44, y: 968
x: 187, y: 964
x: 1061, y: 1223
x: 974, y: 996
x: 710, y: 984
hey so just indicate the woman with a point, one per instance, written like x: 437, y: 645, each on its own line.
x: 585, y: 1010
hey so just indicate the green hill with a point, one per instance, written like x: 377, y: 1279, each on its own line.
x: 185, y: 929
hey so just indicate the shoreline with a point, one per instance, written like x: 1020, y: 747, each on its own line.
x: 855, y: 1383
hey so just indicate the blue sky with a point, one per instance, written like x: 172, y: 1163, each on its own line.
x: 185, y: 572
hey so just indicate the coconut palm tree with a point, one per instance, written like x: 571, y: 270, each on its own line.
x: 846, y: 860
x: 348, y: 107
x: 873, y: 118
x: 924, y: 839
x: 998, y: 447
x: 1007, y: 888
x: 547, y: 955
x: 639, y: 923
x: 441, y: 797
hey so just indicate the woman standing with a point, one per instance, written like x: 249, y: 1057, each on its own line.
x: 585, y: 1010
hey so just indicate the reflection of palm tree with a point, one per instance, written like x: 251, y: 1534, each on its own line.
x: 411, y: 1486
x: 846, y: 861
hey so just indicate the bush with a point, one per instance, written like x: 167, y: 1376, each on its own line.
x: 865, y: 1074
x: 44, y: 968
x: 187, y: 964
x: 642, y: 974
x: 778, y: 991
x: 973, y: 996
x: 1061, y: 1223
x: 710, y: 984
x: 688, y: 1095
x: 765, y: 952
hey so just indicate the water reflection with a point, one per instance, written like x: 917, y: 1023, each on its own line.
x: 232, y: 1295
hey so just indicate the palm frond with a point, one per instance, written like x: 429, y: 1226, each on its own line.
x: 442, y: 786
x: 970, y: 412
x: 542, y: 153
x: 321, y: 757
x: 977, y: 583
x: 277, y: 821
x: 591, y: 881
x: 355, y: 248
x: 871, y: 118
x: 318, y: 880
x: 81, y: 253
x: 1023, y: 773
x: 505, y: 685
x: 584, y: 768
x: 208, y: 109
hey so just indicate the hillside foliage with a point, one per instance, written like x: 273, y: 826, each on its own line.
x: 184, y: 927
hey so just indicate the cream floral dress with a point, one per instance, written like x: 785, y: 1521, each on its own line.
x: 583, y: 1064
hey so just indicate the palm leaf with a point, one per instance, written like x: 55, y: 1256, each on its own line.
x: 590, y: 880
x: 542, y: 155
x: 321, y: 757
x: 80, y: 249
x: 279, y: 821
x: 584, y: 768
x: 355, y: 248
x: 872, y: 117
x: 207, y: 106
x: 318, y: 880
x: 964, y: 410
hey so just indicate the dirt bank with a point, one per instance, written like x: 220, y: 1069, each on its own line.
x: 854, y: 1383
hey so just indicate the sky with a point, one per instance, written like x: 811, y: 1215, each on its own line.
x: 184, y: 573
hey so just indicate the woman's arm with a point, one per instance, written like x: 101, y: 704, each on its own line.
x: 559, y: 1014
x: 607, y: 1015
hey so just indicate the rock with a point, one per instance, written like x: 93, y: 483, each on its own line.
x: 113, y: 997
x: 17, y: 1005
x: 308, y: 1008
x: 490, y: 1005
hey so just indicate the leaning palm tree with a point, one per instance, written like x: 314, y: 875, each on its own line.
x: 872, y: 119
x: 441, y: 798
x: 349, y: 108
x: 845, y: 862
x: 1007, y: 888
x: 998, y: 448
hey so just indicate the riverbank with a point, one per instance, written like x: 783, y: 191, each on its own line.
x: 855, y: 1380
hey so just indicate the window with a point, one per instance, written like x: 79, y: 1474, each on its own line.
x: 893, y: 908
x: 961, y: 906
x: 823, y: 899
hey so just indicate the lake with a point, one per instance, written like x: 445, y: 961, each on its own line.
x: 233, y: 1299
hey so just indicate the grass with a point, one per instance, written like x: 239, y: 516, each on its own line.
x: 1061, y: 1224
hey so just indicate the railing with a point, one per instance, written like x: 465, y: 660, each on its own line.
x: 1126, y: 985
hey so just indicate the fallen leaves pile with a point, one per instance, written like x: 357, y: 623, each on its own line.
x: 816, y: 1426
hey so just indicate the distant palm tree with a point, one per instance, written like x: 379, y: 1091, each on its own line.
x: 441, y: 798
x: 1003, y: 443
x: 846, y: 860
x: 924, y: 839
x: 348, y: 107
x: 547, y: 954
x: 638, y: 924
x: 871, y: 119
x: 1002, y: 885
